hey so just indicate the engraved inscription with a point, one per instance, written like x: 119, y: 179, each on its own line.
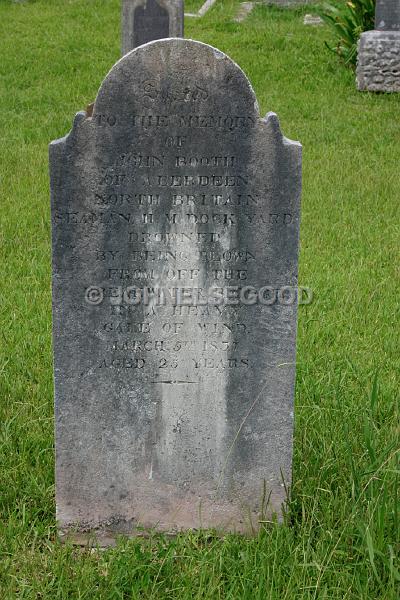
x: 175, y: 216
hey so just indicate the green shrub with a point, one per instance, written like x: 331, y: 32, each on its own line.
x: 348, y: 21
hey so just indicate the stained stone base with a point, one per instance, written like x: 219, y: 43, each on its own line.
x: 378, y: 68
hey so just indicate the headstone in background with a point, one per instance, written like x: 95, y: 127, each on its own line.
x: 175, y: 414
x: 147, y: 20
x: 378, y: 64
x: 387, y: 15
x: 244, y: 10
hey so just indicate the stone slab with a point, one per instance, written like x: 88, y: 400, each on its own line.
x: 378, y: 66
x: 173, y: 415
x: 204, y: 8
x: 314, y: 20
x: 147, y: 20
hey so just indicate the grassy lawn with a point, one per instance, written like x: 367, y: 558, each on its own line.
x: 341, y: 537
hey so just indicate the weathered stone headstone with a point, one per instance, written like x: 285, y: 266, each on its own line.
x: 387, y: 15
x: 378, y: 64
x: 244, y: 10
x: 147, y: 20
x: 175, y: 219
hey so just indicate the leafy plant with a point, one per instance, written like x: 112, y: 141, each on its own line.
x: 348, y: 21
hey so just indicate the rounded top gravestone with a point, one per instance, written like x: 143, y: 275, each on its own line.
x: 147, y: 20
x: 175, y: 220
x: 177, y: 73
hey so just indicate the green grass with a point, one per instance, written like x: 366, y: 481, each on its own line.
x: 192, y: 6
x: 341, y: 536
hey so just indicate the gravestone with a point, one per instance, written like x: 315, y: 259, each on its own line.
x: 147, y: 20
x: 387, y: 15
x: 175, y: 220
x: 378, y: 63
